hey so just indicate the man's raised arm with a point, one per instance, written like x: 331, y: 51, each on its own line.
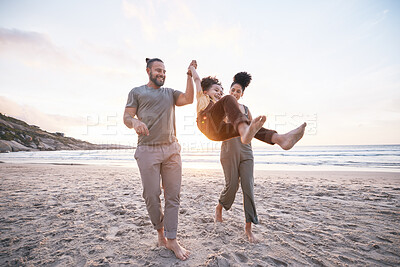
x: 187, y: 97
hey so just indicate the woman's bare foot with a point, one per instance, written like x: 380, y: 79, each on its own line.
x: 162, y: 241
x: 288, y: 140
x: 249, y: 233
x: 218, y: 213
x: 250, y: 131
x: 179, y: 251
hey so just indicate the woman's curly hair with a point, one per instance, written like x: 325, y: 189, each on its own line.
x: 243, y: 79
x: 207, y: 82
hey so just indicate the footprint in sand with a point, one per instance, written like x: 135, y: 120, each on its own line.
x: 217, y: 261
x: 182, y: 211
x: 275, y: 261
x: 166, y: 253
x: 206, y: 220
x: 112, y: 231
x: 384, y: 239
x: 119, y: 211
x: 241, y: 258
x: 123, y: 232
x: 141, y: 222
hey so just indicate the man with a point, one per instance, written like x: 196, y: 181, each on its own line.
x: 158, y: 152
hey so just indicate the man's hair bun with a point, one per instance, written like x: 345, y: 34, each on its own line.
x: 149, y: 61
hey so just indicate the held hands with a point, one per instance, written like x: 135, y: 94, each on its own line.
x: 192, y: 70
x: 140, y: 127
x: 193, y: 64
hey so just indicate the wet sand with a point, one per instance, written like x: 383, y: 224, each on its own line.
x: 55, y: 215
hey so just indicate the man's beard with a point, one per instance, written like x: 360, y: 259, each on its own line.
x: 155, y: 81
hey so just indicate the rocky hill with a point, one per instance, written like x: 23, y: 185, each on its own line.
x: 17, y: 135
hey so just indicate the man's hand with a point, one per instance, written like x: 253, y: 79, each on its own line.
x: 192, y: 64
x: 140, y: 127
x: 131, y: 122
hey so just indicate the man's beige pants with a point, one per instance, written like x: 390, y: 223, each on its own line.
x: 161, y: 162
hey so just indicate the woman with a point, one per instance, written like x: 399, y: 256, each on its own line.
x: 238, y: 164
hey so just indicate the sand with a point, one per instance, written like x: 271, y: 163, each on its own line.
x: 81, y: 215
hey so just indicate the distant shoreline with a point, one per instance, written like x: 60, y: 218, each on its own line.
x: 317, y: 158
x: 111, y: 147
x: 17, y: 135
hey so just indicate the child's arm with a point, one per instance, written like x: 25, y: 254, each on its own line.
x: 196, y: 79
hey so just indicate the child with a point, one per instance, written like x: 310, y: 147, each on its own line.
x: 212, y: 110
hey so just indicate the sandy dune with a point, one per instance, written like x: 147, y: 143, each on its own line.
x: 54, y: 215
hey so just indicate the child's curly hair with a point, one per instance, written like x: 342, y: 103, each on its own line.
x: 207, y: 82
x: 243, y: 79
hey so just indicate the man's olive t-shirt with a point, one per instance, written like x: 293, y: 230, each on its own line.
x: 156, y: 109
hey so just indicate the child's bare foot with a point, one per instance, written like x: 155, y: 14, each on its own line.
x: 249, y: 233
x: 252, y: 129
x: 179, y: 251
x: 218, y: 213
x: 162, y: 241
x: 288, y: 140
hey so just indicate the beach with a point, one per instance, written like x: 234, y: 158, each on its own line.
x: 88, y: 215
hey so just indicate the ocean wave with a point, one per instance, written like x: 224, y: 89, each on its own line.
x: 366, y: 157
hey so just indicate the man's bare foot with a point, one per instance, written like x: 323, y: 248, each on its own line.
x: 162, y: 241
x: 179, y: 251
x: 249, y: 233
x: 288, y: 140
x: 218, y: 213
x: 252, y: 129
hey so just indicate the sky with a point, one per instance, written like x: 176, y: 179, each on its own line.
x: 68, y: 66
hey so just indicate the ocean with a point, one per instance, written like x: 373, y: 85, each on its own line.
x: 311, y: 158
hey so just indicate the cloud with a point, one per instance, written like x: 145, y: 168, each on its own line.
x: 180, y: 17
x: 14, y: 36
x: 215, y: 36
x: 117, y: 56
x: 145, y: 14
x: 37, y: 51
x: 176, y: 20
x: 33, y: 116
x: 195, y: 32
x: 32, y: 48
x: 381, y: 16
